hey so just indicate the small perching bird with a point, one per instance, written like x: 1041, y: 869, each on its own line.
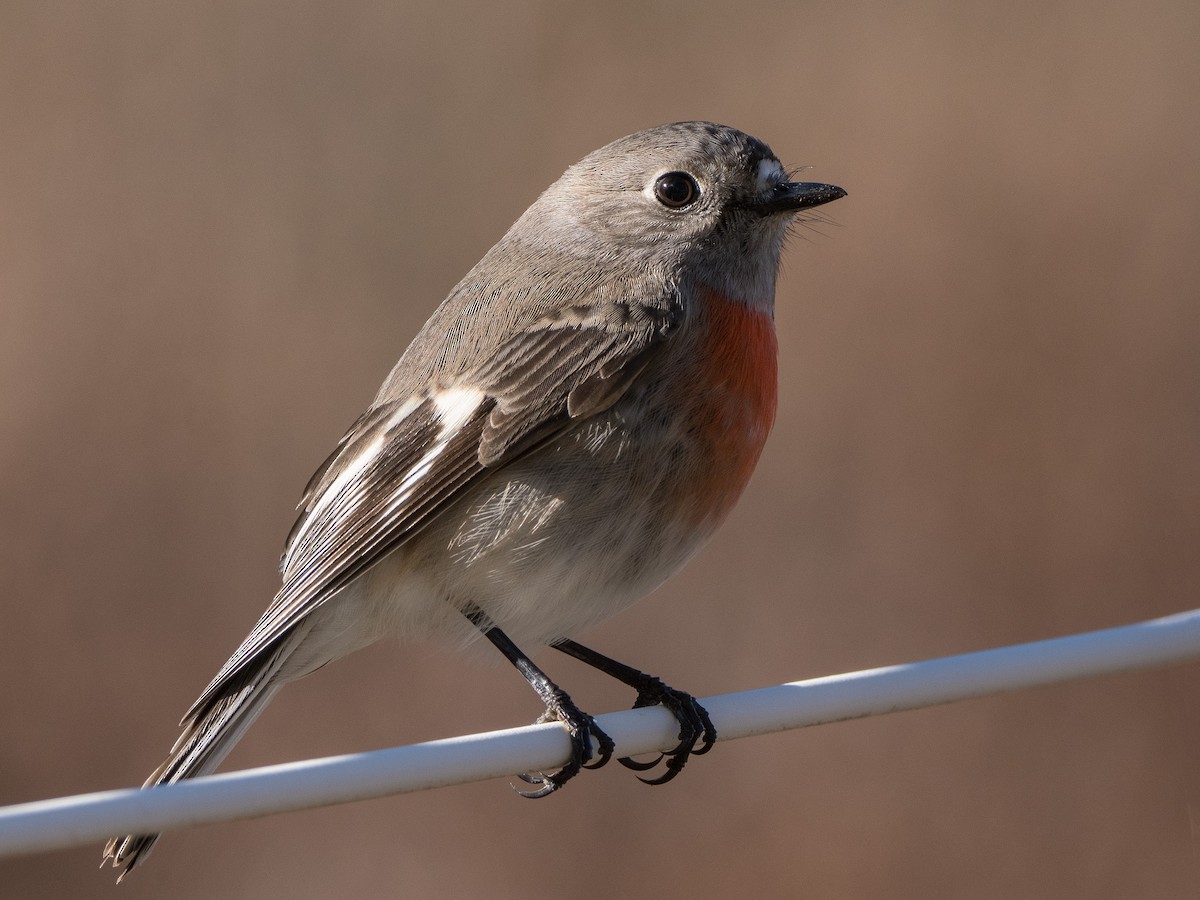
x: 571, y: 424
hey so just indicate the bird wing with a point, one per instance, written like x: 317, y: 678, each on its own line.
x: 405, y: 460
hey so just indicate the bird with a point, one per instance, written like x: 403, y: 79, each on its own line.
x: 570, y: 425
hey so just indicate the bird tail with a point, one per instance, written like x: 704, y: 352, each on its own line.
x: 209, y: 733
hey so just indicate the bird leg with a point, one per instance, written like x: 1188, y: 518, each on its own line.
x: 580, y: 726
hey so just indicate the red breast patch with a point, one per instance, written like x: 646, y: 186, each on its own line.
x: 736, y: 371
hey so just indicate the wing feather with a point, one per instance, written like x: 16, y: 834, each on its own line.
x: 400, y: 464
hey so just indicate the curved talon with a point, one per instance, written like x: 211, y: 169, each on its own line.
x: 710, y: 730
x: 545, y: 791
x: 606, y: 748
x: 549, y: 783
x: 630, y: 763
x: 674, y: 767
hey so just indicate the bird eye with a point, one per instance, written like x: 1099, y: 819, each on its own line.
x: 676, y: 190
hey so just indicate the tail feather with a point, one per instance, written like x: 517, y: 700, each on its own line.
x: 207, y: 738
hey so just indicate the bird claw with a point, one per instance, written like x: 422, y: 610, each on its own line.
x: 697, y: 735
x: 695, y: 727
x: 581, y: 728
x: 638, y: 766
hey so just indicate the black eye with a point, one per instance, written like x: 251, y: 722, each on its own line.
x: 676, y: 189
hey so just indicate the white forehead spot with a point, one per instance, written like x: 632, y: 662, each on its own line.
x: 770, y: 173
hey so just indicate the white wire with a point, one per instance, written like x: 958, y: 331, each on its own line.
x: 87, y: 818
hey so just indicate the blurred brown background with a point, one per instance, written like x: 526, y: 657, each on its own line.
x: 220, y: 223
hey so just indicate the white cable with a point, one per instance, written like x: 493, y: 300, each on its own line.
x: 87, y: 818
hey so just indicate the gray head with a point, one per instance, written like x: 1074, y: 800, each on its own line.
x: 650, y: 212
x: 690, y: 198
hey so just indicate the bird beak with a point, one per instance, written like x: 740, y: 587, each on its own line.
x: 792, y: 196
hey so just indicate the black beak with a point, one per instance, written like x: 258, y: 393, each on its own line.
x: 792, y: 196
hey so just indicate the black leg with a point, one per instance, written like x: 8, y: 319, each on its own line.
x: 695, y: 726
x: 559, y: 707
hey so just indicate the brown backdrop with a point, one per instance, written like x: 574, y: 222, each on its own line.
x: 221, y: 222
